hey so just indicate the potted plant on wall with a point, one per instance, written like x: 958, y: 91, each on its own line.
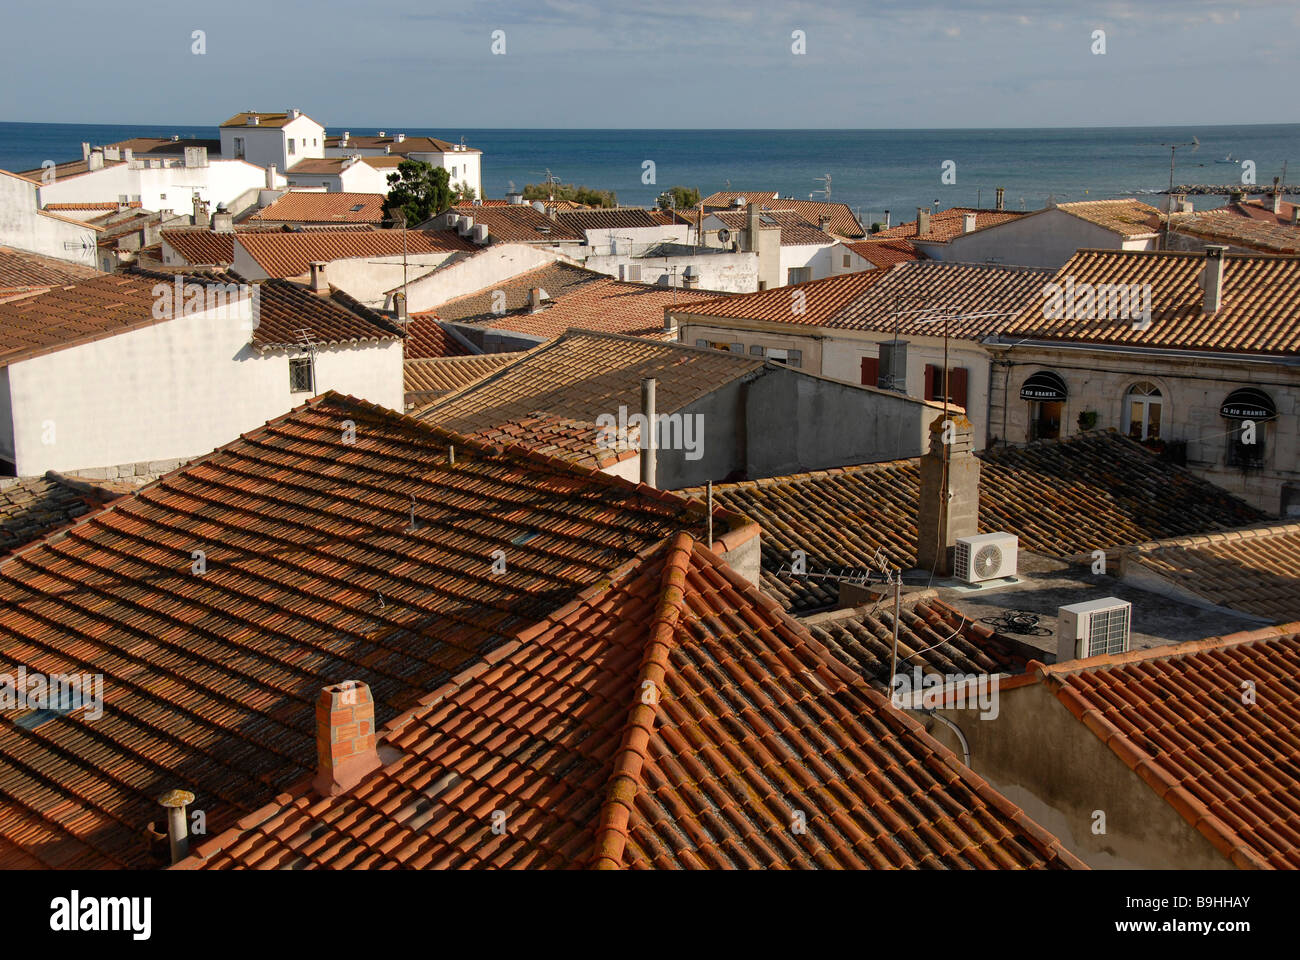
x: 1087, y: 419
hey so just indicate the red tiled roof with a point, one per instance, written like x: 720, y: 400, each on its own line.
x: 1177, y: 716
x: 750, y: 725
x: 1263, y: 210
x: 584, y: 374
x: 822, y: 300
x: 200, y: 246
x: 425, y: 337
x: 1062, y: 499
x: 946, y: 224
x: 607, y: 218
x: 407, y: 145
x: 576, y: 441
x: 885, y: 253
x: 287, y: 311
x: 1226, y: 226
x: 428, y: 378
x: 36, y: 506
x: 264, y: 119
x: 1260, y: 311
x: 516, y: 223
x: 795, y: 231
x: 912, y: 298
x: 291, y: 254
x: 301, y: 206
x: 21, y: 271
x: 108, y: 205
x: 556, y: 278
x: 1129, y: 217
x: 314, y: 573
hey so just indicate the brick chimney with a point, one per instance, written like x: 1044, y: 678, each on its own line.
x: 1213, y: 278
x: 536, y: 299
x: 947, y: 511
x: 345, y: 737
x: 318, y: 282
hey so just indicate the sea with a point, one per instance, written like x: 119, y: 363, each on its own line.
x: 870, y: 170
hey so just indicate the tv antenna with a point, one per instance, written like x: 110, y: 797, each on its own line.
x: 825, y: 191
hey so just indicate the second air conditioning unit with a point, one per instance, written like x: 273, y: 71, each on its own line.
x: 1093, y: 628
x: 989, y: 556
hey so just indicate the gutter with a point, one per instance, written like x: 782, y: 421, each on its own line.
x: 1274, y: 359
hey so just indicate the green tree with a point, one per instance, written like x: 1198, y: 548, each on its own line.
x: 679, y: 198
x: 567, y: 191
x: 462, y: 194
x: 418, y: 190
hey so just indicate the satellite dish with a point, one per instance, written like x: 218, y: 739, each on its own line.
x: 724, y: 235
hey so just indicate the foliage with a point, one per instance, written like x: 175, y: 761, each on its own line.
x: 418, y: 190
x: 679, y: 198
x: 567, y: 191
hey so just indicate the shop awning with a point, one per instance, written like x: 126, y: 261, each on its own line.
x: 1043, y: 385
x: 1248, y: 403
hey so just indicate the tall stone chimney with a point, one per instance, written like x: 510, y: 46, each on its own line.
x: 1213, y: 278
x: 1277, y: 194
x: 270, y: 176
x: 922, y: 221
x: 318, y: 282
x: 950, y: 489
x: 345, y: 737
x: 885, y: 225
x: 1001, y: 199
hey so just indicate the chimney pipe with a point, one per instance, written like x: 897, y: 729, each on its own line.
x: 318, y: 284
x: 967, y: 222
x: 1001, y: 198
x: 270, y: 176
x: 922, y: 221
x: 535, y: 296
x: 886, y: 224
x: 345, y: 737
x: 399, y: 304
x: 1214, y: 278
x: 85, y: 150
x: 1295, y: 215
x: 649, y: 439
x: 178, y: 833
x: 1277, y: 195
x: 949, y: 496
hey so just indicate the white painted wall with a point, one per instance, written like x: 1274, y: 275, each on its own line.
x: 358, y: 178
x: 467, y: 165
x: 495, y: 264
x: 1044, y: 239
x: 266, y: 145
x: 723, y: 272
x: 369, y: 279
x: 632, y: 240
x: 819, y: 256
x: 25, y: 227
x: 179, y: 388
x: 159, y: 187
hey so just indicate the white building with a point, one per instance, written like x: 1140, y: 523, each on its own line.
x: 463, y: 164
x: 111, y: 371
x: 25, y: 226
x: 340, y: 175
x: 272, y: 139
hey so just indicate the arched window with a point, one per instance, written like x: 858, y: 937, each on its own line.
x: 1143, y: 406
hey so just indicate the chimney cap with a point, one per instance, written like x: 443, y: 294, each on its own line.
x: 176, y: 798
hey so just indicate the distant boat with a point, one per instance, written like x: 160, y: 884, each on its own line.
x: 1228, y: 159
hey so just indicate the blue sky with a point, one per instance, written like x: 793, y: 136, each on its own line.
x: 656, y: 63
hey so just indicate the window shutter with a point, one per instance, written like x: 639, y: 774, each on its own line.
x: 932, y: 378
x: 756, y: 350
x: 737, y: 348
x: 794, y: 358
x: 701, y: 343
x: 957, y: 380
x: 870, y: 371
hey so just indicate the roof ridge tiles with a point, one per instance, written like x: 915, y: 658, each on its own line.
x: 611, y: 831
x: 1055, y: 672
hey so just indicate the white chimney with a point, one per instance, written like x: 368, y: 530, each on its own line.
x: 885, y: 224
x: 85, y: 150
x: 1213, y: 278
x: 223, y: 221
x: 347, y: 135
x: 1295, y: 215
x: 515, y: 199
x: 95, y: 161
x: 401, y: 138
x: 382, y: 134
x: 967, y: 222
x: 1277, y: 201
x: 318, y: 283
x: 293, y: 113
x: 270, y: 176
x: 253, y: 120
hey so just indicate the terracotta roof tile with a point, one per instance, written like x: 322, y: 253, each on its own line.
x: 302, y: 206
x: 35, y: 506
x: 582, y: 375
x: 314, y: 574
x: 1263, y: 210
x: 1061, y: 498
x: 425, y: 338
x: 1128, y: 217
x: 577, y: 441
x: 20, y: 270
x: 886, y: 253
x: 1227, y: 226
x: 607, y: 218
x: 947, y: 224
x: 1256, y: 571
x: 982, y: 298
x: 396, y: 147
x: 264, y: 119
x: 520, y: 223
x: 291, y: 254
x: 1260, y: 311
x: 557, y: 279
x: 750, y: 726
x: 1178, y: 717
x: 429, y: 378
x: 795, y: 230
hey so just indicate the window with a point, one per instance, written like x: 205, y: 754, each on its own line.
x: 239, y: 148
x: 870, y: 371
x: 789, y: 358
x: 957, y: 380
x: 847, y: 262
x: 453, y: 173
x: 300, y: 375
x: 757, y: 351
x: 1143, y: 406
x: 799, y: 274
x: 1247, y: 411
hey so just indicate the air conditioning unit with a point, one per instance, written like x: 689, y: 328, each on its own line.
x: 1093, y: 628
x: 989, y: 556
